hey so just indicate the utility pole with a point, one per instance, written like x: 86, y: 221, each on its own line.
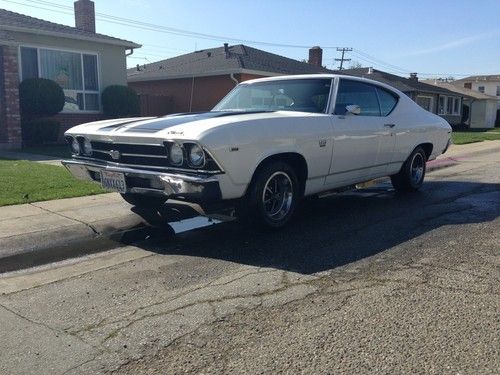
x: 342, y: 59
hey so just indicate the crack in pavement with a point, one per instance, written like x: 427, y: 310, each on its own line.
x: 91, y: 227
x: 170, y: 299
x: 116, y: 331
x: 55, y: 330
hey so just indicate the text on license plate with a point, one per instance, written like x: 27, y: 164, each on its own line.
x: 113, y: 181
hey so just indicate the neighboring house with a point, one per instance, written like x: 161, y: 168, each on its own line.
x: 435, y: 99
x: 485, y: 84
x: 479, y: 110
x: 489, y: 85
x: 197, y: 81
x: 80, y: 60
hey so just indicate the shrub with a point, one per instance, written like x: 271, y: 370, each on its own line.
x: 40, y: 96
x: 120, y: 101
x: 40, y: 131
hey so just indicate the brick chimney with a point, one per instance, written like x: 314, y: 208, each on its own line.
x: 85, y: 15
x: 413, y: 77
x: 316, y: 56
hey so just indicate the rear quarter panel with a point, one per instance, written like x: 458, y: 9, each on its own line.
x: 415, y: 126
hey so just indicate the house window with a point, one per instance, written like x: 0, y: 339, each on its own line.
x: 498, y: 90
x: 75, y: 72
x: 468, y: 85
x: 449, y: 105
x: 426, y: 102
x: 442, y: 105
x: 480, y: 89
x: 456, y: 106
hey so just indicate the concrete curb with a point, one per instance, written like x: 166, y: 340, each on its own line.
x: 88, y: 225
x: 42, y: 247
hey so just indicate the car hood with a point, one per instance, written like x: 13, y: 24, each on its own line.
x: 182, y: 126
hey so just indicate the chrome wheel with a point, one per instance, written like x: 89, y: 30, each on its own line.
x: 277, y: 197
x: 417, y: 168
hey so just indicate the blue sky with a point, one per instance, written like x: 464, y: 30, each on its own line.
x: 433, y: 38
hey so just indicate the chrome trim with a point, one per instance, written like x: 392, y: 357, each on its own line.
x: 118, y: 165
x: 140, y: 172
x: 129, y: 154
x: 145, y: 155
x: 187, y: 187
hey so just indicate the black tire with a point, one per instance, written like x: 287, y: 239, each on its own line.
x: 411, y: 176
x: 143, y: 201
x: 280, y: 205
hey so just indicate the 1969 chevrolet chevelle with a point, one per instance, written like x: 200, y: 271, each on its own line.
x: 266, y: 145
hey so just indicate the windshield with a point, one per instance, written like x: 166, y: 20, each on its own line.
x: 305, y: 95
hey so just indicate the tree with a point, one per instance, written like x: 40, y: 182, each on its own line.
x: 355, y: 65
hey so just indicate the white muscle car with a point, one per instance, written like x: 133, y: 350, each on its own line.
x: 266, y: 145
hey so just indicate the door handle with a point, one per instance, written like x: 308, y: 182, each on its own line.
x: 389, y: 125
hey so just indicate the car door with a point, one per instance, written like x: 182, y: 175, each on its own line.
x: 362, y: 142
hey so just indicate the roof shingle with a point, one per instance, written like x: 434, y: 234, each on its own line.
x: 214, y: 61
x: 405, y: 85
x: 19, y: 22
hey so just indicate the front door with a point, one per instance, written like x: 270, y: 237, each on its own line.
x: 363, y: 143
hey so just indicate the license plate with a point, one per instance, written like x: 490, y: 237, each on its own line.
x: 114, y: 181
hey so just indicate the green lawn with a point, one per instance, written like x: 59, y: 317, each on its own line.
x: 24, y: 181
x: 57, y: 151
x: 471, y: 136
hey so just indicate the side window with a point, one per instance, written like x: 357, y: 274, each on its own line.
x: 387, y: 101
x: 358, y: 93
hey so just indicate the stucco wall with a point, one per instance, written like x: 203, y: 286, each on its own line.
x: 490, y: 88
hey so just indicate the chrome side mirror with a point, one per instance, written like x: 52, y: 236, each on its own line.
x: 353, y: 109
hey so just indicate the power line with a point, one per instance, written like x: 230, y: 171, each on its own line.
x: 159, y: 28
x: 68, y: 10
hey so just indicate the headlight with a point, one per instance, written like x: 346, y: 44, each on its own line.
x: 75, y: 146
x: 176, y: 154
x: 87, y: 147
x: 196, y: 156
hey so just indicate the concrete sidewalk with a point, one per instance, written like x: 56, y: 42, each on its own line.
x: 26, y: 229
x: 17, y: 155
x: 29, y: 228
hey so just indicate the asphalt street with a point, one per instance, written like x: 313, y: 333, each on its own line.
x: 368, y: 281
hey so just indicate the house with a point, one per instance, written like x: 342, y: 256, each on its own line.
x: 485, y: 84
x: 479, y: 110
x: 435, y: 99
x: 82, y: 61
x: 197, y: 81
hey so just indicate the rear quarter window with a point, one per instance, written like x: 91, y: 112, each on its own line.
x: 387, y: 100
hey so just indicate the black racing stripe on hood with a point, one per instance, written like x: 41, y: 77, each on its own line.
x: 116, y: 126
x: 181, y: 118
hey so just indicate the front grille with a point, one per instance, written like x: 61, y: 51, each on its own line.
x: 145, y: 156
x: 136, y: 154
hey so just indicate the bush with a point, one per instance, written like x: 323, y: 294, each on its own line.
x: 120, y: 101
x: 40, y: 131
x: 40, y: 96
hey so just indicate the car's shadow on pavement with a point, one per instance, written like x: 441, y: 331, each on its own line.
x: 336, y: 230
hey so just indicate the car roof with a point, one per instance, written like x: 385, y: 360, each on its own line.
x: 324, y: 76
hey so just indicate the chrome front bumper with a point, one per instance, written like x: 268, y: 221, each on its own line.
x: 192, y: 188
